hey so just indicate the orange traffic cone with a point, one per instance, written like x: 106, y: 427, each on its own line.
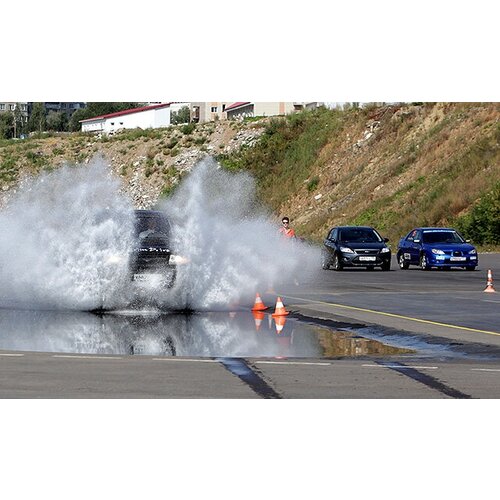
x: 259, y: 305
x: 280, y: 324
x: 489, y: 283
x: 280, y: 309
x: 258, y: 317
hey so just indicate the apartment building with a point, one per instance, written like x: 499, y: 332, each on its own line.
x: 11, y: 106
x: 240, y: 110
x: 202, y: 112
x: 67, y: 107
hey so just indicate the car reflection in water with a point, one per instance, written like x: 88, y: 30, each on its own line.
x: 218, y: 334
x: 204, y: 335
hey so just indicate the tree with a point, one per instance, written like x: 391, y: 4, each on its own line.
x: 74, y: 122
x: 56, y: 121
x: 19, y: 121
x: 181, y: 116
x: 6, y: 125
x: 37, y: 119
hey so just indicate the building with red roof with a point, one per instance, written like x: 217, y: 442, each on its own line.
x: 155, y: 116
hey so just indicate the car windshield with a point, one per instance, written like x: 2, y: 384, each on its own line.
x: 359, y: 235
x: 151, y: 226
x: 442, y: 237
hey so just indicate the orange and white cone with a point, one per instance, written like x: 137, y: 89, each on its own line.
x: 280, y: 309
x: 259, y: 305
x: 279, y: 321
x: 489, y: 283
x: 258, y: 317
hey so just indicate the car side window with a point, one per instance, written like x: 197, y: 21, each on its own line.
x: 412, y: 235
x: 333, y: 235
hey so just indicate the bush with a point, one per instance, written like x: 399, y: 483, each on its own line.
x: 482, y: 223
x: 313, y: 184
x: 188, y: 129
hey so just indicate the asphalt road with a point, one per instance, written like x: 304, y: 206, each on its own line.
x: 449, y: 306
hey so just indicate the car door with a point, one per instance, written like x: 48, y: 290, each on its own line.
x: 331, y: 241
x: 415, y: 246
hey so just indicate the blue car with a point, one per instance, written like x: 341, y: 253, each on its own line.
x: 439, y: 247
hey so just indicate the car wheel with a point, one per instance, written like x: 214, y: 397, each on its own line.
x: 386, y: 266
x: 336, y: 263
x: 325, y: 261
x: 403, y: 264
x: 423, y: 263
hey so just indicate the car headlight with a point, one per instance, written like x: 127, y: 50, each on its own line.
x: 178, y: 259
x: 115, y: 259
x: 437, y: 251
x: 473, y: 252
x: 385, y: 250
x: 346, y: 250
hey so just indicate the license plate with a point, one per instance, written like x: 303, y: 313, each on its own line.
x: 367, y: 258
x: 457, y: 259
x: 146, y: 277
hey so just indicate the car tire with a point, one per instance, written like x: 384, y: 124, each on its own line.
x: 423, y: 263
x: 386, y: 266
x: 337, y: 265
x: 325, y: 261
x: 403, y: 264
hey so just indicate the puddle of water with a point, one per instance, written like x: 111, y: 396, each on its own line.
x: 217, y: 334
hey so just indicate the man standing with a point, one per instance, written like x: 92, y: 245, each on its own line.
x: 285, y: 230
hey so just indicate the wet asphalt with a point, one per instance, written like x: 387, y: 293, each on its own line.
x: 445, y: 325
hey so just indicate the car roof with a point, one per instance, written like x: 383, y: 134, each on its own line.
x: 149, y: 213
x: 352, y: 227
x: 433, y: 229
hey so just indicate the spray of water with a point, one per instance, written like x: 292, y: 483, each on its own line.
x: 66, y: 235
x: 59, y: 239
x: 232, y: 243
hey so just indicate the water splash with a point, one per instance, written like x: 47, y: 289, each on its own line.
x: 58, y: 236
x: 66, y: 235
x: 232, y: 242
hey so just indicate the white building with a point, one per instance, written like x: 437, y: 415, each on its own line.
x: 156, y: 116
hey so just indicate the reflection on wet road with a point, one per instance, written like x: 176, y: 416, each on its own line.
x: 217, y: 334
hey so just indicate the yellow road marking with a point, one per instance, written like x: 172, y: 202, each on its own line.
x: 399, y: 316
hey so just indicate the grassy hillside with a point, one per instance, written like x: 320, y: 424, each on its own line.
x: 393, y: 167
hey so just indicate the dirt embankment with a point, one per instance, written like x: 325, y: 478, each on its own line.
x: 149, y: 162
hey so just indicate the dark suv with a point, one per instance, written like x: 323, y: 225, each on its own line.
x: 151, y: 258
x: 355, y: 246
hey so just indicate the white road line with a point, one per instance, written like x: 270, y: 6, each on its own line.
x: 290, y: 363
x: 11, y: 355
x: 485, y: 370
x: 84, y: 357
x: 402, y: 367
x: 190, y: 359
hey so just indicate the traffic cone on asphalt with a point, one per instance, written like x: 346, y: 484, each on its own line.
x: 280, y: 309
x: 258, y: 317
x: 279, y: 321
x: 489, y: 283
x: 259, y: 305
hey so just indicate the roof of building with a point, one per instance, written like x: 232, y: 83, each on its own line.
x: 128, y: 112
x: 237, y: 105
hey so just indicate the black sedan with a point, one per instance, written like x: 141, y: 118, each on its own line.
x: 355, y: 246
